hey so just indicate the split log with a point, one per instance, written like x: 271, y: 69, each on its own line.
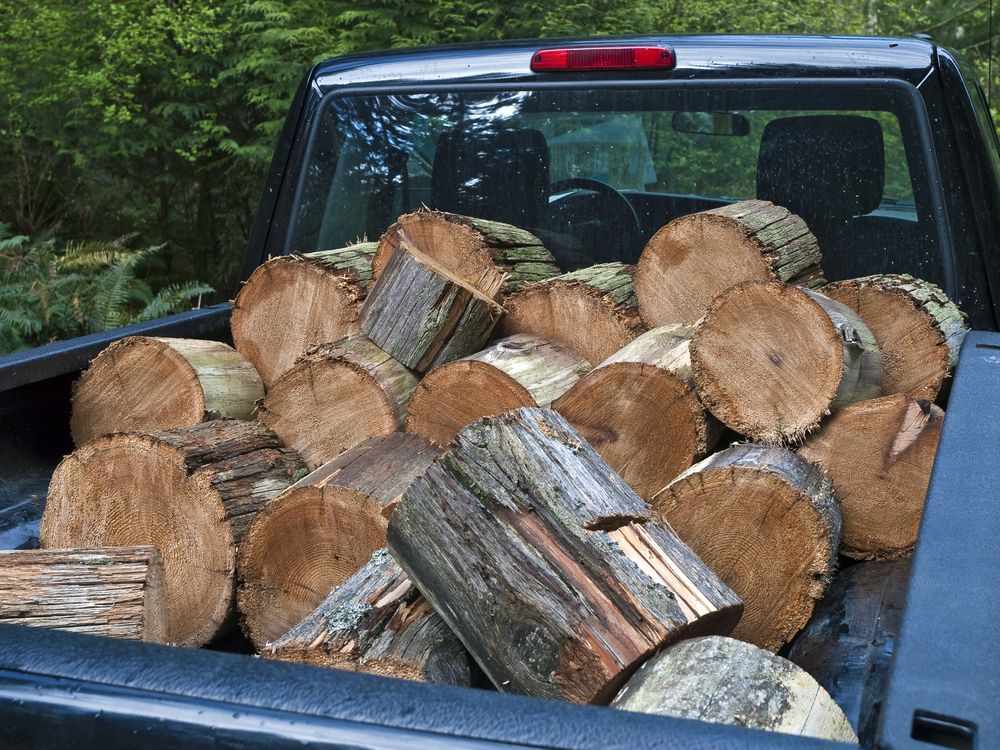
x: 425, y: 316
x: 849, y: 642
x: 337, y: 396
x: 297, y: 301
x: 469, y: 247
x: 919, y: 330
x: 189, y: 492
x: 115, y: 592
x: 593, y: 310
x: 377, y: 622
x: 142, y: 383
x: 771, y: 360
x: 726, y: 681
x: 546, y: 565
x: 321, y: 530
x: 695, y: 257
x: 879, y: 455
x: 514, y: 372
x: 639, y: 410
x: 769, y: 524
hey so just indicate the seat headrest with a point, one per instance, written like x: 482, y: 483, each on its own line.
x: 822, y: 167
x: 500, y: 175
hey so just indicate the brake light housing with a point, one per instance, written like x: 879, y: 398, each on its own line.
x: 580, y: 59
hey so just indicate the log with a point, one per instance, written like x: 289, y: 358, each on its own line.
x: 513, y: 372
x: 337, y: 396
x: 377, y: 622
x: 294, y: 302
x: 726, y: 681
x: 917, y: 328
x: 115, y: 592
x: 470, y: 247
x: 321, y: 530
x: 592, y: 310
x: 849, y: 642
x: 189, y: 492
x: 769, y: 524
x: 879, y: 455
x: 143, y: 383
x: 639, y: 409
x: 695, y: 257
x: 545, y: 564
x: 425, y: 316
x: 769, y: 360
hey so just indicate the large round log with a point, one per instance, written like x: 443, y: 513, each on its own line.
x: 726, y: 681
x: 917, y: 328
x: 337, y: 396
x: 297, y: 301
x: 143, y: 383
x: 513, y: 372
x: 189, y: 492
x: 695, y: 257
x: 320, y: 531
x: 769, y: 524
x: 770, y: 360
x: 879, y: 455
x: 593, y: 310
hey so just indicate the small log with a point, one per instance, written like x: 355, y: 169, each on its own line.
x: 545, y: 564
x: 470, y: 248
x: 919, y: 330
x: 337, y: 396
x: 639, y: 410
x: 377, y: 622
x: 189, y: 492
x: 726, y: 681
x: 321, y: 530
x: 769, y: 524
x: 294, y: 302
x: 142, y: 383
x: 425, y: 316
x: 116, y: 592
x: 879, y: 455
x: 593, y: 310
x: 848, y: 643
x: 695, y: 257
x: 770, y: 360
x: 513, y: 372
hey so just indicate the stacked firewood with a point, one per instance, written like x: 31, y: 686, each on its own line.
x: 436, y: 453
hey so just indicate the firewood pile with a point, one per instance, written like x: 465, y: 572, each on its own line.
x: 437, y: 454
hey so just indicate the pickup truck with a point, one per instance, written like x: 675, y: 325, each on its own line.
x: 594, y: 145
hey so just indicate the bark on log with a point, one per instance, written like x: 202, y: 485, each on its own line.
x: 695, y: 257
x: 425, y: 316
x: 115, y: 592
x: 515, y: 371
x: 470, y: 247
x: 593, y: 310
x: 769, y: 524
x: 142, y: 383
x: 321, y: 530
x: 879, y: 455
x: 545, y: 564
x: 771, y: 360
x: 849, y: 642
x: 294, y: 302
x: 337, y: 396
x: 726, y: 681
x: 190, y: 493
x: 639, y: 410
x: 377, y: 622
x: 918, y: 329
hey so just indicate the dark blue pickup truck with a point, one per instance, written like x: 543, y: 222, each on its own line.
x: 594, y: 151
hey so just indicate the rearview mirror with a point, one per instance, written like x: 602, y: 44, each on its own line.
x: 710, y: 123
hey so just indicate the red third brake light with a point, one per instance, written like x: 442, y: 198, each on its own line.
x: 602, y: 58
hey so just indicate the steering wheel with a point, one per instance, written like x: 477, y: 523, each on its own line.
x: 601, y: 228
